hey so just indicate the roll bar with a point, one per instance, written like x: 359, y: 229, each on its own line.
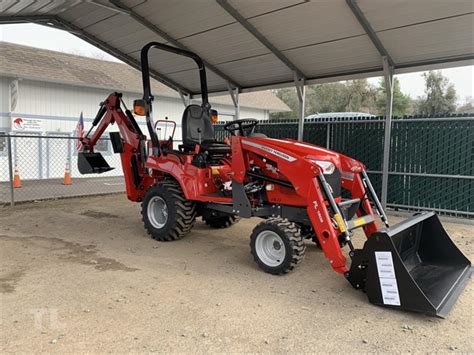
x: 148, y: 97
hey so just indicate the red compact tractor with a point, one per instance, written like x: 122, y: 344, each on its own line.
x: 295, y: 187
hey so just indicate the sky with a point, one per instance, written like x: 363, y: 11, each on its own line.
x: 49, y: 38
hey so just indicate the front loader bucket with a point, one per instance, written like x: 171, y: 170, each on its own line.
x: 413, y: 265
x: 92, y: 163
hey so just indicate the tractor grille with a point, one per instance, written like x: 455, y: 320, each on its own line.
x: 334, y: 180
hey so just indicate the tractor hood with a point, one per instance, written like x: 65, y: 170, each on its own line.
x: 309, y: 151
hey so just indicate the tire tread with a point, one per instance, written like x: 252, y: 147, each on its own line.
x: 185, y: 213
x: 292, y: 232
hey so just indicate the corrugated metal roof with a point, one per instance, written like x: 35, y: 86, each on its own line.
x: 51, y: 66
x: 255, y: 44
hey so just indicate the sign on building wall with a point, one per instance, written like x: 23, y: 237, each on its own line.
x: 27, y: 124
x: 13, y: 95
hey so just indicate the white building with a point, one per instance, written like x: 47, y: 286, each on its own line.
x: 43, y: 92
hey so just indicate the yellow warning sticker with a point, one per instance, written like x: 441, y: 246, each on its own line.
x: 340, y: 222
x: 359, y: 221
x: 215, y: 171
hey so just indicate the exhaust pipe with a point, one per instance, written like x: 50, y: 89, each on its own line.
x: 413, y: 266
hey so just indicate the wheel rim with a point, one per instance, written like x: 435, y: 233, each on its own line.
x: 157, y: 212
x: 270, y: 248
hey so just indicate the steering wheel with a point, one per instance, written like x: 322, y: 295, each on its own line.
x: 244, y: 127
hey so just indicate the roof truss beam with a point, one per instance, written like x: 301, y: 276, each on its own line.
x: 110, y: 6
x: 261, y: 38
x: 359, y: 15
x: 59, y: 23
x: 124, y: 57
x: 143, y: 21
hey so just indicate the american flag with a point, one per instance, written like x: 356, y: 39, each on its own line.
x: 79, y: 132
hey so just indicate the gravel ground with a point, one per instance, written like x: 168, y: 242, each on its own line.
x: 42, y: 189
x: 81, y: 275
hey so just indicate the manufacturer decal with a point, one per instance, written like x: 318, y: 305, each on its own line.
x: 315, y: 205
x: 270, y: 150
x: 347, y: 175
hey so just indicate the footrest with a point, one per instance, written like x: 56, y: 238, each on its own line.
x: 349, y: 207
x: 359, y: 222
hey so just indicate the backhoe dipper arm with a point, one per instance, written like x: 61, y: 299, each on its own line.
x: 131, y: 144
x: 110, y: 112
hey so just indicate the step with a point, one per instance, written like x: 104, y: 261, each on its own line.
x: 359, y: 222
x: 349, y: 207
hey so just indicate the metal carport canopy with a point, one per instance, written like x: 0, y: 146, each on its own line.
x: 251, y: 45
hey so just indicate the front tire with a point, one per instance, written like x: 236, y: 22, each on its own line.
x: 277, y: 245
x: 166, y: 213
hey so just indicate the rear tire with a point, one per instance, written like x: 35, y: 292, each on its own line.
x: 220, y: 221
x: 166, y: 213
x: 277, y: 245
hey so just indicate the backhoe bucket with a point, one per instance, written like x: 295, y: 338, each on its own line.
x: 413, y: 265
x: 92, y: 163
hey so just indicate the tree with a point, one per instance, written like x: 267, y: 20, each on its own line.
x: 467, y: 106
x: 326, y: 98
x: 401, y: 103
x: 353, y: 95
x: 440, y: 95
x: 288, y: 96
x: 345, y: 96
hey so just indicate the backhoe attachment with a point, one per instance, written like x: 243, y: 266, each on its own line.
x: 92, y: 163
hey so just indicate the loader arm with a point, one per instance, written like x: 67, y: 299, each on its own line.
x: 306, y: 179
x: 129, y: 142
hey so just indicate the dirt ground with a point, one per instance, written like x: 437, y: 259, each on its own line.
x: 81, y: 275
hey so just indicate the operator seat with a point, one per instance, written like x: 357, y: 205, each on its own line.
x: 196, y: 122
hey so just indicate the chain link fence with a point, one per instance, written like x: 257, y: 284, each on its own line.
x: 36, y: 167
x: 431, y: 158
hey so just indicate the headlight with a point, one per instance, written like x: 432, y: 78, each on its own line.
x: 327, y: 167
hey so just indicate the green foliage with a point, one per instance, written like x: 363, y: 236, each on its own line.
x: 354, y: 95
x: 440, y: 95
x: 288, y: 96
x: 361, y: 96
x: 467, y: 106
x: 401, y: 103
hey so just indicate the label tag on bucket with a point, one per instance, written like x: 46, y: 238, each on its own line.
x: 387, y: 278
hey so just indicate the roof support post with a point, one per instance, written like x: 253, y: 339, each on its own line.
x: 234, y: 95
x: 388, y: 75
x: 301, y: 93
